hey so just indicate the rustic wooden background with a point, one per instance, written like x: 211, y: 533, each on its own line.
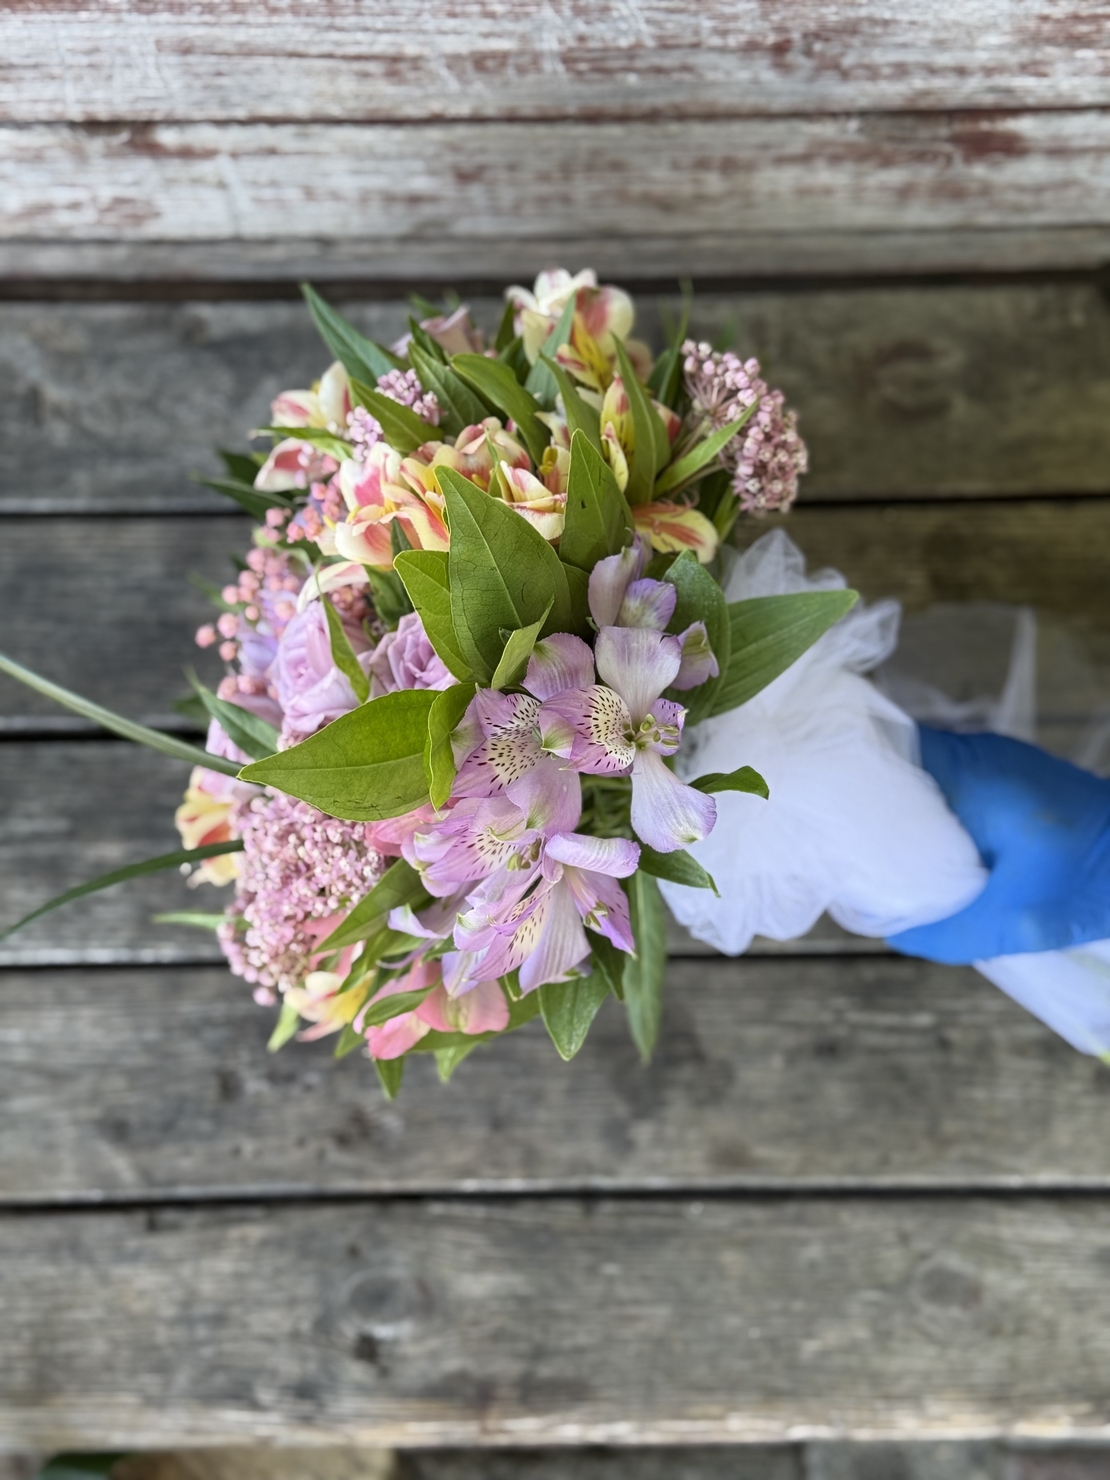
x: 856, y: 1198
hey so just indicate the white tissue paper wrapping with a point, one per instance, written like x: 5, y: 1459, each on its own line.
x: 854, y: 827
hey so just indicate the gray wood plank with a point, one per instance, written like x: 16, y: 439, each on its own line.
x: 448, y: 60
x: 139, y: 1085
x: 902, y: 391
x: 556, y: 1321
x: 481, y: 198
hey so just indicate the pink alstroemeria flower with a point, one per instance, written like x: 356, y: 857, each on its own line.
x: 484, y: 1010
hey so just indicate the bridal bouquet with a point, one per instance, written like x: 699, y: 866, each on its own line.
x: 481, y: 614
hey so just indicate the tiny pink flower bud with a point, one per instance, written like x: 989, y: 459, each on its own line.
x: 206, y: 635
x: 275, y: 518
x: 228, y: 624
x: 227, y: 688
x: 228, y: 650
x: 230, y: 594
x: 251, y: 614
x: 256, y: 559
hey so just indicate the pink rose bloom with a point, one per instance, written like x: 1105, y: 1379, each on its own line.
x: 405, y: 659
x: 310, y: 688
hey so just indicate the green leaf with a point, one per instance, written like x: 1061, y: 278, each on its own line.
x: 197, y: 918
x: 253, y: 500
x: 399, y: 885
x: 347, y: 1042
x: 391, y: 600
x: 679, y: 867
x: 569, y: 1008
x: 402, y: 428
x: 581, y: 416
x: 768, y: 633
x: 541, y: 383
x: 288, y: 1022
x: 390, y: 1007
x: 426, y: 579
x: 598, y: 522
x: 254, y: 736
x: 449, y: 1059
x: 744, y: 779
x: 131, y: 871
x: 506, y: 331
x: 419, y: 336
x: 241, y: 466
x: 181, y: 750
x: 652, y: 446
x: 495, y: 380
x: 518, y: 649
x: 439, y: 758
x: 79, y: 1466
x: 390, y: 1073
x: 459, y: 406
x: 663, y: 381
x: 364, y: 766
x: 610, y: 960
x: 699, y: 599
x: 687, y: 468
x: 343, y: 654
x: 503, y: 573
x: 644, y: 972
x: 578, y: 584
x: 320, y: 437
x: 359, y: 356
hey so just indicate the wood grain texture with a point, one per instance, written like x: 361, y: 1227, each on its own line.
x: 771, y: 1074
x: 901, y: 391
x: 197, y: 60
x: 561, y: 1321
x: 491, y: 198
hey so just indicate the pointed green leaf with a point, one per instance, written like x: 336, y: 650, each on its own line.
x: 541, y: 383
x: 348, y: 1042
x: 254, y: 736
x: 197, y: 918
x: 402, y: 428
x: 449, y: 1059
x: 426, y: 579
x: 320, y: 437
x: 569, y: 1008
x: 241, y: 466
x: 253, y: 500
x: 419, y: 336
x: 518, y: 649
x: 390, y: 1074
x: 459, y: 405
x: 768, y: 633
x: 494, y: 380
x: 444, y: 718
x: 652, y: 446
x: 644, y: 972
x: 687, y: 468
x: 506, y: 330
x: 288, y: 1022
x: 503, y: 573
x: 390, y: 1007
x: 399, y: 885
x: 364, y: 766
x: 679, y: 867
x: 598, y: 522
x: 700, y: 599
x: 131, y: 871
x: 610, y: 960
x: 360, y: 357
x: 581, y: 416
x: 343, y: 654
x: 578, y: 584
x: 181, y: 750
x: 79, y: 1466
x: 744, y: 779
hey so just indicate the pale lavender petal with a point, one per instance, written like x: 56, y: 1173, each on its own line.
x: 510, y: 749
x: 460, y: 970
x: 520, y: 937
x: 667, y: 814
x: 647, y: 604
x: 617, y: 857
x: 559, y: 662
x: 610, y: 579
x: 561, y: 946
x: 638, y: 663
x: 600, y: 723
x: 603, y: 905
x: 550, y: 797
x: 698, y: 660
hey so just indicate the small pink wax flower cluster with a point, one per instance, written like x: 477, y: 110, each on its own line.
x: 768, y: 456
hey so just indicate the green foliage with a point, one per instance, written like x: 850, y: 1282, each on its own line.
x: 337, y: 447
x: 360, y: 357
x: 581, y: 416
x: 768, y: 633
x: 699, y: 599
x: 610, y: 961
x: 496, y: 382
x: 364, y: 766
x: 744, y: 779
x: 390, y: 1074
x: 518, y: 649
x: 343, y: 655
x: 439, y: 758
x: 79, y: 1466
x: 689, y: 467
x: 286, y: 1025
x: 679, y: 867
x: 598, y: 522
x: 254, y: 736
x: 570, y: 1007
x: 541, y: 382
x: 403, y: 429
x: 506, y: 331
x: 199, y: 919
x: 665, y: 382
x: 644, y: 972
x: 390, y: 1007
x: 155, y: 739
x: 652, y: 446
x: 428, y: 583
x: 399, y: 885
x: 252, y: 499
x: 503, y: 574
x: 391, y: 599
x: 459, y: 405
x: 449, y: 1059
x: 131, y: 871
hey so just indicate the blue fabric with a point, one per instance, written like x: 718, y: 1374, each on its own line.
x: 1042, y: 827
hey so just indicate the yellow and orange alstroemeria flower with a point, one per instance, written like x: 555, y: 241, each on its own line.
x: 672, y: 528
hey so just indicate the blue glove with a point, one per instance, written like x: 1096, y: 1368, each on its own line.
x: 1042, y: 827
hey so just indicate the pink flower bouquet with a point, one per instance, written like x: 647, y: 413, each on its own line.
x: 481, y: 609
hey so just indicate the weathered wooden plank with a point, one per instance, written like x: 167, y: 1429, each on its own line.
x: 63, y: 62
x: 126, y: 579
x: 556, y: 1321
x: 493, y: 197
x: 771, y: 1074
x: 902, y: 391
